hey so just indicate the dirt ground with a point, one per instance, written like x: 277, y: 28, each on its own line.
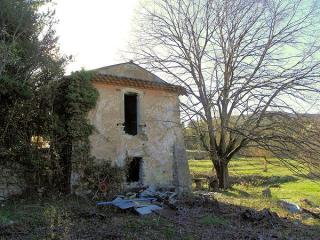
x: 195, y: 218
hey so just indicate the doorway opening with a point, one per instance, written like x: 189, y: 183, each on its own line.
x: 134, y: 170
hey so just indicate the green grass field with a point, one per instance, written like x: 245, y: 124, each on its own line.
x: 250, y: 179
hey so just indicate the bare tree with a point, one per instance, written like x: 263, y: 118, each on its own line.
x: 250, y: 67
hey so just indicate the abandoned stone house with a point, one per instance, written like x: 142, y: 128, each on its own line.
x: 137, y: 124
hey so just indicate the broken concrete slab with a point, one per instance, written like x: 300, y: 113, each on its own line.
x: 126, y: 203
x: 149, y: 192
x: 147, y: 209
x: 140, y: 205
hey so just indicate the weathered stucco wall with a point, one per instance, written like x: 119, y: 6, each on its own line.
x: 159, y: 140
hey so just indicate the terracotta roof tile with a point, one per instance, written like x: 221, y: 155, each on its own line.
x: 132, y: 82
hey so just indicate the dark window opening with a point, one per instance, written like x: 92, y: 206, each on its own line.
x: 134, y: 170
x: 131, y: 113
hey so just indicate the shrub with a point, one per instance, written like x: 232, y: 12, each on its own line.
x: 97, y: 175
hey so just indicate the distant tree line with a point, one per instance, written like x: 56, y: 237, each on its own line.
x: 196, y: 137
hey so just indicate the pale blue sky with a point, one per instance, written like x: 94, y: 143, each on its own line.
x: 94, y: 31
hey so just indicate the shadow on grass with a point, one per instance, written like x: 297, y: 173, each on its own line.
x: 258, y: 180
x: 233, y: 192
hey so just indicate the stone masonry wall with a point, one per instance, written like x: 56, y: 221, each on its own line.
x: 159, y: 141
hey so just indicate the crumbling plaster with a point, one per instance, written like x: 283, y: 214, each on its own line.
x: 159, y: 140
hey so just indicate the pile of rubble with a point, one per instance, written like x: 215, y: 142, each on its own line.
x: 144, y: 201
x: 256, y: 216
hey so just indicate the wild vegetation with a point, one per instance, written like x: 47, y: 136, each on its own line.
x: 30, y: 63
x: 75, y: 97
x: 42, y: 114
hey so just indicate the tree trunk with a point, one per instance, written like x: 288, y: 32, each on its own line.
x: 265, y: 169
x: 222, y: 172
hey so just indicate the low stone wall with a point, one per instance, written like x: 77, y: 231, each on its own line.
x: 12, y: 182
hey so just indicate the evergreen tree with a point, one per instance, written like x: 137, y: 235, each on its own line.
x: 29, y: 63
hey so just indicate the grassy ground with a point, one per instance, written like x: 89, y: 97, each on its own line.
x: 197, y: 217
x: 251, y: 179
x: 58, y: 218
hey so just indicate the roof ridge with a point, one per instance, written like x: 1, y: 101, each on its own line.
x: 112, y: 65
x: 133, y: 63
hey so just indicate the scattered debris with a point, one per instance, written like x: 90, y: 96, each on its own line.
x: 135, y: 203
x: 147, y: 209
x: 254, y: 216
x: 200, y: 199
x: 311, y: 212
x: 144, y: 202
x: 310, y: 208
x: 307, y: 202
x: 290, y: 207
x: 148, y: 192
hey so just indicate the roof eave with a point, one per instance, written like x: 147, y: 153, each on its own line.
x: 132, y: 82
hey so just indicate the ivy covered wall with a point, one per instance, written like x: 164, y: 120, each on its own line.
x: 75, y: 97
